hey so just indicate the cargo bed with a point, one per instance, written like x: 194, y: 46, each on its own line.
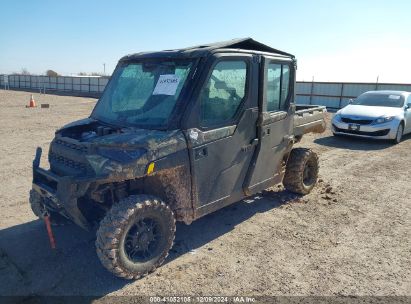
x: 309, y: 118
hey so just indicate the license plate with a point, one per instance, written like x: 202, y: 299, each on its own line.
x: 354, y: 127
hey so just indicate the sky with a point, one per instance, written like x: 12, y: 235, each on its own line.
x: 355, y: 41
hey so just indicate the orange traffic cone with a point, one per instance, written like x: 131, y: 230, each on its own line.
x: 32, y: 103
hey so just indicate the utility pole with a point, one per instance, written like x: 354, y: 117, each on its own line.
x: 312, y: 91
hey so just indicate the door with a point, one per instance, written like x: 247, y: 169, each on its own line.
x: 276, y: 125
x: 222, y: 146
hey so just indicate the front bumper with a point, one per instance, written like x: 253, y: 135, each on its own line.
x: 60, y: 193
x: 386, y: 130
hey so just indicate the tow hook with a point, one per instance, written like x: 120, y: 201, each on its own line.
x: 49, y: 231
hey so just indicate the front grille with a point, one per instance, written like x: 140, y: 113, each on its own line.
x: 67, y: 162
x: 356, y: 121
x: 73, y: 146
x: 68, y: 158
x: 375, y: 133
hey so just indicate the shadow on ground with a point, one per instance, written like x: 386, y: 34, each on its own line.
x: 28, y: 267
x: 356, y: 143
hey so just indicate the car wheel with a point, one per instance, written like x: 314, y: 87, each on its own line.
x: 301, y: 172
x: 135, y: 236
x: 400, y: 132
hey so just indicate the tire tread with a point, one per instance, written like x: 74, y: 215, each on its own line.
x: 113, y: 224
x: 293, y: 178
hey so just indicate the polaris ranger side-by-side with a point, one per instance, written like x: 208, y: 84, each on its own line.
x: 177, y: 134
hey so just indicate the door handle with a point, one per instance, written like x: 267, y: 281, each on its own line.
x: 200, y: 153
x: 247, y: 148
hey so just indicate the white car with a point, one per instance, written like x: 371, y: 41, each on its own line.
x: 375, y: 114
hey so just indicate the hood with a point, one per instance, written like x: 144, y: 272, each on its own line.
x: 93, y: 132
x: 113, y: 151
x: 78, y: 123
x: 368, y: 111
x: 151, y: 140
x: 132, y: 150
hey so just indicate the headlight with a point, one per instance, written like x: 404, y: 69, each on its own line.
x: 337, y: 117
x: 384, y: 119
x: 122, y: 156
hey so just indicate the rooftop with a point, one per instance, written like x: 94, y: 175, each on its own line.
x: 391, y: 92
x: 244, y: 44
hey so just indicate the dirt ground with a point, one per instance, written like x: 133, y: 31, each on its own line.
x: 350, y: 236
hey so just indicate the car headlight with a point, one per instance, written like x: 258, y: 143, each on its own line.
x: 120, y: 155
x: 384, y: 119
x: 337, y: 117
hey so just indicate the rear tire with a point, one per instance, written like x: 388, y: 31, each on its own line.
x: 302, y: 171
x: 135, y: 236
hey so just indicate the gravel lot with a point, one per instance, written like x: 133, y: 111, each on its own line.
x: 350, y: 236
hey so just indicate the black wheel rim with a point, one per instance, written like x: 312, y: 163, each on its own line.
x: 142, y: 240
x: 309, y: 174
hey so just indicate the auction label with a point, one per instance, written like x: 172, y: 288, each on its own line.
x: 167, y: 85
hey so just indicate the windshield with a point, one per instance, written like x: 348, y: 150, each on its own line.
x: 380, y: 100
x: 142, y: 94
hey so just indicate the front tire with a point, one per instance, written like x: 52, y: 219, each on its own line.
x: 399, y: 134
x: 135, y: 236
x: 302, y: 171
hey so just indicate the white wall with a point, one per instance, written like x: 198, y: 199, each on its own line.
x: 331, y: 94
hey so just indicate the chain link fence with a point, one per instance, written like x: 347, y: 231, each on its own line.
x: 87, y: 85
x: 333, y: 95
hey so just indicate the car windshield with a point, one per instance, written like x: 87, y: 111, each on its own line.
x: 142, y: 94
x: 380, y: 100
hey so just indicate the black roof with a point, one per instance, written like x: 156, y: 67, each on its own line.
x: 246, y: 44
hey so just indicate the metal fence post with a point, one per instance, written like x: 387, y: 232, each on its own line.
x: 312, y: 91
x: 341, y: 95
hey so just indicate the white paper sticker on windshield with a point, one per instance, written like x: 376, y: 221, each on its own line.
x: 167, y: 85
x: 394, y: 97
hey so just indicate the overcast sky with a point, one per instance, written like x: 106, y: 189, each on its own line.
x: 333, y: 41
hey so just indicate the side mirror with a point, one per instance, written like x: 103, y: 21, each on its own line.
x: 350, y: 101
x: 408, y: 106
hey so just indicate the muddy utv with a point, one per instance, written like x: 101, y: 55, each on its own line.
x: 177, y: 134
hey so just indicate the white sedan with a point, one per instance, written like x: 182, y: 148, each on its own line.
x: 375, y: 114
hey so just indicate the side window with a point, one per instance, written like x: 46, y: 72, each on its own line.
x: 285, y: 84
x: 224, y: 92
x: 278, y: 86
x: 273, y: 87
